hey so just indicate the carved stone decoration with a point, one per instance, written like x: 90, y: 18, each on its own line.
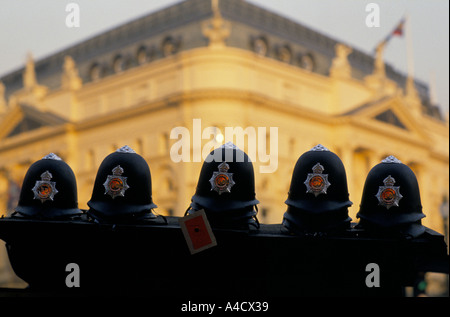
x: 340, y: 67
x: 70, y: 77
x: 379, y: 67
x: 29, y: 75
x: 32, y: 93
x: 217, y: 30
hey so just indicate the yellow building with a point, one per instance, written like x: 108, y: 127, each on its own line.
x: 237, y: 66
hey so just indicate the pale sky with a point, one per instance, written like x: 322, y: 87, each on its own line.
x: 39, y: 27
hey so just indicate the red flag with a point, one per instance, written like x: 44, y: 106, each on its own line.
x: 399, y: 29
x: 197, y: 232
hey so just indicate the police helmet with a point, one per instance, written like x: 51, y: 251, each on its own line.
x: 226, y: 188
x: 318, y: 197
x: 49, y: 190
x: 122, y: 188
x: 391, y: 201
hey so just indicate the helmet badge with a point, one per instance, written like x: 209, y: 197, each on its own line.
x: 222, y: 181
x: 116, y: 184
x: 45, y: 189
x: 389, y: 195
x: 316, y: 182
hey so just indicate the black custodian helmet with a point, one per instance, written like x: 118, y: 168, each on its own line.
x: 226, y: 188
x: 318, y: 197
x: 390, y: 202
x: 49, y: 190
x: 122, y: 188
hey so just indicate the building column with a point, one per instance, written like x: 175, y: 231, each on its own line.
x: 374, y: 159
x: 4, y: 187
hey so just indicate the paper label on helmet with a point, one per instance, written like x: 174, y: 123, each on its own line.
x: 116, y: 184
x: 222, y: 181
x: 45, y: 189
x: 389, y: 195
x: 316, y: 182
x: 197, y: 232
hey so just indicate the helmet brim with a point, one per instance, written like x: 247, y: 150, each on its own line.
x: 298, y: 225
x: 212, y: 204
x: 389, y: 219
x: 108, y: 209
x: 313, y: 221
x: 47, y: 213
x: 318, y: 206
x: 415, y: 230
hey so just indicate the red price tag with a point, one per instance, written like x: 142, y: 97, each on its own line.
x: 197, y: 232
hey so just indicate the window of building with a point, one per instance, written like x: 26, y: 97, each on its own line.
x: 95, y: 72
x: 306, y: 62
x: 260, y: 46
x: 285, y: 54
x: 141, y: 55
x: 118, y: 64
x: 169, y: 46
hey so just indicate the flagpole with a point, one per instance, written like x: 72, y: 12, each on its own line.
x: 411, y: 91
x: 409, y: 47
x: 433, y: 92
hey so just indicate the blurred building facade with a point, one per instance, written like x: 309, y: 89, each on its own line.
x: 230, y: 64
